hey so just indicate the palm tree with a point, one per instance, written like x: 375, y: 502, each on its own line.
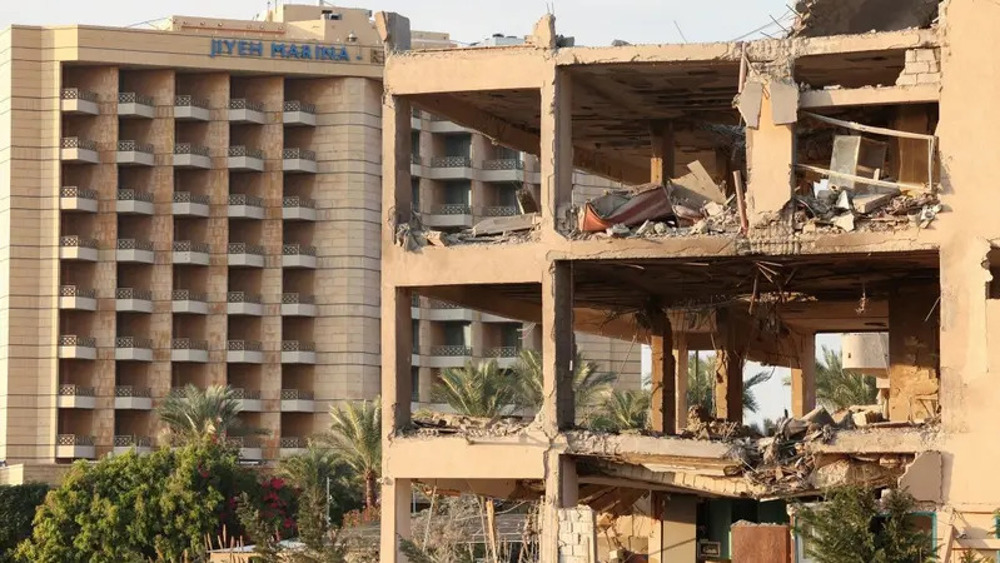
x: 589, y: 384
x: 210, y: 414
x: 838, y: 389
x: 622, y: 410
x: 481, y: 390
x: 356, y: 434
x: 701, y: 384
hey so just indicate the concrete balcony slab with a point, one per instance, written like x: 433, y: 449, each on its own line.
x: 69, y: 446
x: 73, y: 198
x: 245, y: 308
x: 78, y: 102
x: 128, y: 397
x: 188, y: 108
x: 135, y: 106
x: 246, y: 115
x: 76, y: 397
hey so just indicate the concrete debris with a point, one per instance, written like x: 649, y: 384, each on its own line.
x: 500, y: 225
x: 619, y: 230
x: 843, y: 17
x: 438, y: 424
x: 845, y: 211
x: 749, y: 102
x: 844, y: 222
x: 527, y: 202
x: 700, y: 183
x: 784, y: 102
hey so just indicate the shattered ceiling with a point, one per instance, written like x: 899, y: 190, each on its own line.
x: 842, y: 17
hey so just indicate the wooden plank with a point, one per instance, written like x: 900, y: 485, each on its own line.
x: 869, y: 128
x: 861, y: 179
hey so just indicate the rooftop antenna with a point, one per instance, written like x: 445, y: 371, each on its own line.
x: 677, y: 25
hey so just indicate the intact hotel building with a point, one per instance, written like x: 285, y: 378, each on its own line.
x: 200, y: 204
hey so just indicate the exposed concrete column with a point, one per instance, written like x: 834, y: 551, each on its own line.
x: 556, y: 151
x: 558, y: 409
x: 914, y: 331
x: 397, y: 191
x: 681, y: 378
x: 561, y: 491
x: 728, y: 371
x: 661, y: 160
x: 804, y: 377
x: 395, y: 506
x: 664, y: 376
x: 770, y: 155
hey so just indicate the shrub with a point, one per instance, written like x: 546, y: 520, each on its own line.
x: 17, y: 510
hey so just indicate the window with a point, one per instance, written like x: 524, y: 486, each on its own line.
x: 507, y: 195
x: 415, y: 193
x: 457, y: 333
x: 458, y: 145
x: 415, y: 384
x: 510, y: 335
x: 458, y: 192
x: 416, y: 336
x: 415, y: 143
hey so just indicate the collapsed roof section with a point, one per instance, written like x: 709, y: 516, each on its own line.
x: 843, y: 17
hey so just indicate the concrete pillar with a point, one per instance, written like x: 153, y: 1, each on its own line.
x: 914, y: 331
x: 397, y: 191
x: 804, y: 377
x: 561, y: 491
x: 396, y: 499
x: 664, y: 377
x: 674, y: 537
x: 661, y: 160
x: 770, y: 155
x: 556, y: 152
x: 728, y: 371
x: 681, y: 378
x: 558, y: 409
x: 397, y: 352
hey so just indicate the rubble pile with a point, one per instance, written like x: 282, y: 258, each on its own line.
x: 427, y: 423
x: 848, y: 211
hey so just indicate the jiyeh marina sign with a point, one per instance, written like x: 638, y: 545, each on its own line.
x: 280, y: 50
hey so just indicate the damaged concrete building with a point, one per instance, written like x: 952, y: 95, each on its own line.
x: 834, y: 181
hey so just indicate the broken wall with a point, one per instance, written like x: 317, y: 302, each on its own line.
x: 577, y: 535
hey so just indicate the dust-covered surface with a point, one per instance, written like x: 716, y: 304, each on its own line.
x: 843, y: 17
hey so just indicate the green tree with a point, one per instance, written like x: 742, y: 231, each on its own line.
x: 317, y: 472
x: 135, y: 508
x: 195, y: 414
x: 17, y: 509
x: 590, y: 385
x: 701, y: 384
x: 622, y: 410
x: 837, y: 388
x: 852, y: 527
x: 356, y: 434
x: 482, y: 390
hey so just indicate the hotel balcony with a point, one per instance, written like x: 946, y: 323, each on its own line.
x: 251, y: 448
x: 132, y: 398
x: 248, y: 159
x: 502, y: 170
x: 134, y: 202
x: 131, y: 104
x: 74, y: 247
x: 77, y: 101
x: 76, y: 397
x: 187, y: 204
x: 128, y: 300
x: 242, y: 303
x: 444, y: 311
x: 72, y: 198
x: 446, y: 356
x: 73, y: 347
x: 451, y: 168
x: 188, y: 108
x: 295, y: 400
x: 73, y: 298
x: 74, y: 446
x: 298, y: 256
x: 75, y: 149
x: 188, y: 350
x: 132, y: 250
x: 124, y: 444
x: 298, y: 113
x: 290, y: 446
x: 295, y: 208
x: 134, y: 153
x: 449, y: 215
x: 298, y: 352
x: 505, y: 356
x: 248, y: 255
x: 244, y: 352
x: 187, y: 155
x: 133, y: 348
x: 249, y: 399
x: 190, y: 302
x: 298, y: 160
x: 244, y: 206
x: 416, y: 166
x: 191, y: 253
x: 298, y: 305
x: 245, y: 111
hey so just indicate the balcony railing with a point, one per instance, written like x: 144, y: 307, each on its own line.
x: 134, y: 195
x: 435, y: 304
x: 290, y: 442
x: 188, y: 295
x: 304, y: 154
x: 188, y: 344
x: 74, y: 291
x: 74, y: 340
x: 501, y: 211
x: 134, y: 98
x: 451, y: 350
x: 451, y: 162
x: 78, y: 143
x: 188, y: 197
x: 245, y: 248
x: 136, y: 146
x: 298, y: 201
x: 134, y: 244
x: 78, y: 94
x: 297, y: 346
x: 246, y: 199
x: 188, y: 148
x: 297, y: 298
x: 240, y: 150
x: 71, y: 390
x: 241, y: 103
x: 132, y: 391
x: 129, y: 293
x: 295, y: 105
x: 503, y: 164
x: 188, y: 100
x: 297, y: 395
x: 76, y: 240
x: 244, y: 346
x: 74, y: 440
x: 504, y: 352
x: 189, y: 246
x: 298, y: 250
x: 129, y: 441
x: 242, y: 297
x: 133, y: 342
x: 246, y: 394
x: 451, y: 209
x: 244, y: 441
x: 73, y: 191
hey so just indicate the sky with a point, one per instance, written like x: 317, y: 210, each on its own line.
x: 591, y: 22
